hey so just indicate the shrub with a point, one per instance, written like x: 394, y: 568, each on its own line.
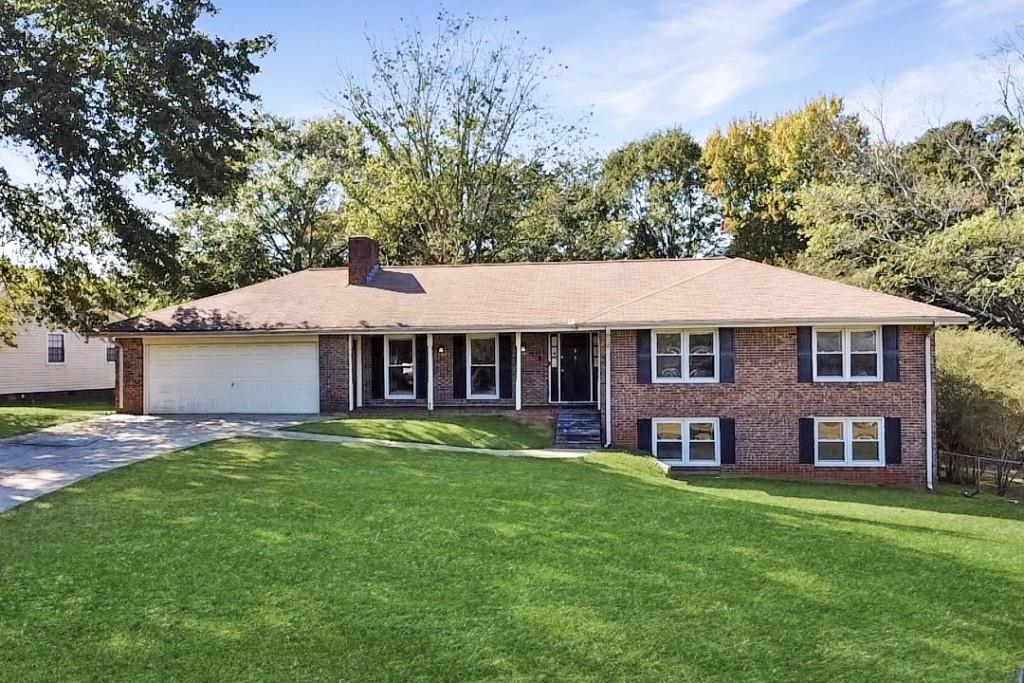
x: 980, y: 394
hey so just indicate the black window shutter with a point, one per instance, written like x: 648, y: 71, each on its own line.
x: 643, y: 356
x: 726, y: 355
x: 893, y: 441
x: 804, y: 367
x: 643, y: 435
x: 458, y: 365
x: 727, y: 444
x: 891, y: 353
x: 421, y: 366
x: 377, y: 367
x: 807, y: 440
x: 506, y: 366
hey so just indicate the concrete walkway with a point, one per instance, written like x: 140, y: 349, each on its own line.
x: 35, y: 464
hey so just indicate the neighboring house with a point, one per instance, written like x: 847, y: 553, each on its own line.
x: 54, y: 362
x: 707, y: 364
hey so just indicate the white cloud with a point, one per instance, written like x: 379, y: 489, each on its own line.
x: 928, y: 96
x: 693, y: 58
x: 975, y: 9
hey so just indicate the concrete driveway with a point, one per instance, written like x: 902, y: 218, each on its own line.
x: 35, y: 464
x: 44, y: 461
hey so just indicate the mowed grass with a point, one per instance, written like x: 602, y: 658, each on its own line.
x: 19, y: 419
x: 271, y: 560
x: 471, y: 431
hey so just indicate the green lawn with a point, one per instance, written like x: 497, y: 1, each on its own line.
x: 272, y: 560
x: 18, y: 419
x: 472, y: 431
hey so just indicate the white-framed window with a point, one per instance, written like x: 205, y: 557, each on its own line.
x: 691, y: 441
x: 400, y: 373
x: 111, y: 353
x: 684, y: 355
x: 54, y: 348
x: 482, y: 365
x: 847, y: 354
x: 849, y: 442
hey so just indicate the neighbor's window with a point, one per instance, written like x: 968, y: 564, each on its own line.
x: 691, y: 441
x: 482, y: 365
x: 852, y: 354
x: 401, y: 371
x: 685, y: 355
x: 55, y: 348
x: 849, y: 442
x: 111, y: 353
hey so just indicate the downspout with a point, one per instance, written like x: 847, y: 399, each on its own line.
x: 607, y: 387
x: 929, y: 415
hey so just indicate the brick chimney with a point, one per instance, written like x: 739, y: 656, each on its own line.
x: 363, y: 259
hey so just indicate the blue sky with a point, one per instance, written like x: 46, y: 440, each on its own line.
x: 635, y: 67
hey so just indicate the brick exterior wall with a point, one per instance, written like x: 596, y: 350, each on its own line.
x: 333, y: 373
x: 767, y: 401
x: 131, y: 357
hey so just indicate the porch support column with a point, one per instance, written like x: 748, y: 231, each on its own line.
x: 351, y: 380
x: 430, y: 371
x: 519, y: 370
x: 607, y: 387
x: 359, y: 371
x: 600, y: 380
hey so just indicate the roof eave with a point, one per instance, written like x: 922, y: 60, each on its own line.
x: 556, y: 327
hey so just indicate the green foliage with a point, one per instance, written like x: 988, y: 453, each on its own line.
x: 272, y: 560
x: 938, y: 219
x: 469, y: 431
x: 110, y: 99
x: 460, y: 138
x: 567, y: 219
x: 756, y: 167
x: 288, y: 215
x: 655, y: 187
x: 980, y: 392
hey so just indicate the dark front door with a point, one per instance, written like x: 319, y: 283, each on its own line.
x: 574, y: 367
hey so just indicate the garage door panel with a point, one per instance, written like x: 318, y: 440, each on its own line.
x: 233, y: 378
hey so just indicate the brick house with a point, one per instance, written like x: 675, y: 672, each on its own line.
x: 711, y: 364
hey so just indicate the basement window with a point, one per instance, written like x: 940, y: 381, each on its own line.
x: 689, y: 441
x: 849, y: 442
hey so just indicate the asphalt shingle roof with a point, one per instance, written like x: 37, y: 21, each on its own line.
x: 719, y: 291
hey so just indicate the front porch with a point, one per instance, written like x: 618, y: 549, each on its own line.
x: 553, y: 376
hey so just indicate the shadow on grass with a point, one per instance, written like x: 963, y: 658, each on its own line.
x: 267, y: 560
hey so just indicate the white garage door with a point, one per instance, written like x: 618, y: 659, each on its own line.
x: 233, y: 378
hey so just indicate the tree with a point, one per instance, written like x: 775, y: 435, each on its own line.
x: 459, y: 137
x: 567, y: 219
x: 655, y: 187
x: 111, y: 101
x: 756, y: 168
x: 938, y: 219
x: 287, y: 216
